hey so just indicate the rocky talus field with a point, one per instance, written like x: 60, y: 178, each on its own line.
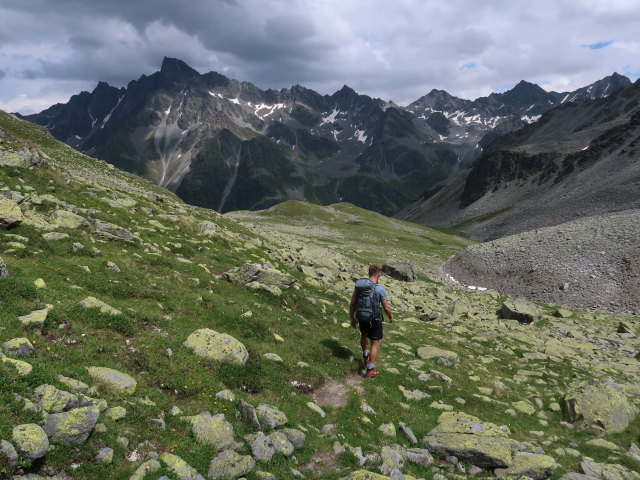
x: 143, y: 338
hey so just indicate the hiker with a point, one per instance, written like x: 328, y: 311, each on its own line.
x: 365, y: 307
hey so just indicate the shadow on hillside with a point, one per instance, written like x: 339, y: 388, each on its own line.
x: 337, y: 350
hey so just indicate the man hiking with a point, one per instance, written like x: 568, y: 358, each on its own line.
x: 365, y: 307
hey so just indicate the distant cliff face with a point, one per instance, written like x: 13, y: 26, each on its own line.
x: 579, y: 159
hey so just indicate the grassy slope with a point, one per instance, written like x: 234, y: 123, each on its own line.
x: 163, y: 300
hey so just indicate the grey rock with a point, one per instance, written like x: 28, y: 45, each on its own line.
x: 392, y: 459
x: 419, y: 456
x: 265, y: 274
x: 3, y: 269
x: 213, y: 430
x: 296, y: 437
x: 105, y: 455
x: 400, y: 271
x: 18, y: 347
x: 72, y: 427
x: 8, y: 452
x: 520, y: 310
x: 407, y: 432
x: 230, y: 465
x: 248, y: 414
x: 607, y: 471
x: 109, y: 231
x: 270, y: 416
x: 264, y: 447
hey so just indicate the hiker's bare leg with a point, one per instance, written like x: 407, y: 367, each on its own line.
x: 374, y: 351
x: 364, y: 342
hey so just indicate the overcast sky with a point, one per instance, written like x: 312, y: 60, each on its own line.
x: 392, y: 49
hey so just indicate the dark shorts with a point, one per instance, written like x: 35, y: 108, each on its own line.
x: 372, y: 329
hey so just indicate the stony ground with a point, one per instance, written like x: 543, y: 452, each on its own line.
x: 144, y: 338
x: 593, y: 263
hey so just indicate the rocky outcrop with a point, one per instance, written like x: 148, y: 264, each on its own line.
x: 10, y: 213
x: 598, y: 406
x: 230, y: 465
x: 520, y: 310
x: 470, y: 439
x: 400, y: 271
x: 260, y: 273
x: 72, y: 427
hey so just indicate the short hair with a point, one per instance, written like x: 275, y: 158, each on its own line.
x: 374, y: 270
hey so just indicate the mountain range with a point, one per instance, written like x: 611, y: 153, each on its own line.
x: 228, y: 145
x: 577, y: 160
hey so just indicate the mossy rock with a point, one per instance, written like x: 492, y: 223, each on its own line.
x: 72, y: 427
x: 92, y: 302
x: 53, y: 400
x: 31, y: 441
x: 113, y: 379
x: 230, y: 465
x: 599, y: 407
x: 212, y: 430
x: 531, y: 465
x: 10, y: 213
x: 209, y: 344
x: 66, y: 219
x: 179, y: 467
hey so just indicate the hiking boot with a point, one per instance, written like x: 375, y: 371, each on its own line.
x: 371, y: 373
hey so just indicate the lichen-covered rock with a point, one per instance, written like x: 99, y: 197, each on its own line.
x: 212, y: 430
x: 113, y: 379
x: 392, y: 459
x: 296, y: 437
x: 428, y: 352
x: 209, y: 344
x: 316, y: 408
x: 264, y: 447
x: 116, y: 413
x: 31, y: 441
x: 23, y: 368
x: 608, y: 471
x: 149, y: 466
x: 73, y: 426
x: 520, y: 310
x: 270, y: 416
x: 19, y: 347
x: 230, y: 465
x: 531, y: 465
x: 265, y: 274
x: 34, y: 319
x: 179, y: 467
x: 274, y: 357
x: 9, y: 454
x: 3, y: 269
x: 73, y: 384
x: 400, y: 271
x: 55, y: 236
x: 209, y: 229
x: 53, y: 400
x: 10, y: 213
x: 105, y: 456
x: 419, y: 456
x: 66, y: 219
x: 109, y: 231
x: 468, y: 438
x: 92, y: 302
x: 366, y: 475
x: 387, y: 429
x: 598, y: 406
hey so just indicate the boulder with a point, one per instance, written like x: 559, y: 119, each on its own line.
x: 109, y: 231
x: 264, y: 274
x: 270, y: 416
x: 249, y: 415
x: 35, y: 319
x: 212, y: 430
x: 9, y: 454
x: 73, y: 384
x: 55, y: 236
x: 599, y: 407
x: 366, y: 475
x: 31, y: 441
x: 105, y: 456
x: 53, y: 400
x: 10, y: 213
x: 531, y: 465
x: 469, y: 439
x: 179, y: 467
x: 18, y: 347
x: 400, y: 271
x: 520, y: 310
x: 92, y: 302
x: 392, y: 459
x: 230, y: 465
x: 65, y: 219
x: 3, y: 269
x: 296, y: 437
x: 212, y: 345
x: 73, y: 426
x: 113, y: 380
x: 264, y: 447
x: 442, y: 356
x: 607, y: 471
x: 23, y: 368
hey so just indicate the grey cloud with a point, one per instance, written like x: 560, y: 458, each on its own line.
x: 2, y: 74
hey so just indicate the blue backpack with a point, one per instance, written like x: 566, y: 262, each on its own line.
x: 366, y: 309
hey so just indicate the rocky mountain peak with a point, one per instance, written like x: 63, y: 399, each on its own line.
x: 175, y: 67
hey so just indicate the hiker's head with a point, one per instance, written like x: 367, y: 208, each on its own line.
x: 374, y: 271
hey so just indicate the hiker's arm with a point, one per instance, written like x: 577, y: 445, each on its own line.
x: 352, y: 310
x: 387, y: 309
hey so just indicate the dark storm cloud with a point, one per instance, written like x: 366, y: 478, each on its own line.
x: 394, y: 50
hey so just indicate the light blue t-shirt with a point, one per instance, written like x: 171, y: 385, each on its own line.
x: 379, y: 294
